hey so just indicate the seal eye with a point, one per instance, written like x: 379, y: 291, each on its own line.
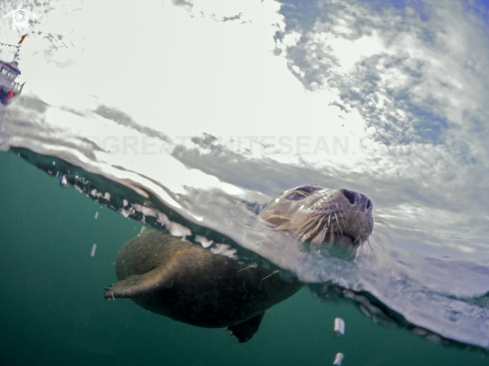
x: 302, y: 192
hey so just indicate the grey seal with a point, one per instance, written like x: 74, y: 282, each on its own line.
x: 187, y: 283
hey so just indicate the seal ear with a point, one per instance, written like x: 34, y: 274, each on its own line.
x: 245, y: 330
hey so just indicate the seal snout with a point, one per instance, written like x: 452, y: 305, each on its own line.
x: 362, y: 202
x: 339, y: 217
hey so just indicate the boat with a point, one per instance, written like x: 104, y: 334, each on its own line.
x: 9, y: 88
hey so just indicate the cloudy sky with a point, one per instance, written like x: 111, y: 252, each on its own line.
x: 385, y: 97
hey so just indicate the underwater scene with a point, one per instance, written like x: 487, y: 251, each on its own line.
x: 53, y: 310
x: 266, y: 182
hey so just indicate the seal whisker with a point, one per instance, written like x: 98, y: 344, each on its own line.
x: 306, y: 194
x: 270, y: 274
x: 245, y: 268
x: 338, y: 224
x: 324, y: 197
x: 357, y: 215
x: 319, y: 238
x: 316, y: 229
x: 380, y: 230
x: 370, y: 246
x: 383, y: 233
x: 306, y: 228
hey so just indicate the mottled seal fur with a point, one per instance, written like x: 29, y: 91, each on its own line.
x: 187, y: 283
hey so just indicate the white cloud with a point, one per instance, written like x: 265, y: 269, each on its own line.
x: 410, y: 84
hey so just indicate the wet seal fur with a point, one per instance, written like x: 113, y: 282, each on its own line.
x: 187, y: 283
x: 317, y: 215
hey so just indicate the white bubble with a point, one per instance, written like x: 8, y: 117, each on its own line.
x: 63, y: 181
x: 338, y: 359
x: 94, y: 248
x: 339, y: 327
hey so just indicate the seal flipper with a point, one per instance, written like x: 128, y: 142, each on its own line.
x: 245, y: 330
x: 138, y: 284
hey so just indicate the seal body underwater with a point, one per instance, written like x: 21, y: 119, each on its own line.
x: 188, y: 283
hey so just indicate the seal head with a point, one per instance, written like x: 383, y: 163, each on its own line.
x: 340, y: 217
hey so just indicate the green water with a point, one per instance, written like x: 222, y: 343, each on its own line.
x: 52, y: 310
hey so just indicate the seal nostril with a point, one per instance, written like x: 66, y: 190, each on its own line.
x: 369, y: 204
x: 350, y: 196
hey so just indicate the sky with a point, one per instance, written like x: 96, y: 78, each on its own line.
x: 384, y: 97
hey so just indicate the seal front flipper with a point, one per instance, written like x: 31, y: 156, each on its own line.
x: 138, y: 284
x: 245, y: 330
